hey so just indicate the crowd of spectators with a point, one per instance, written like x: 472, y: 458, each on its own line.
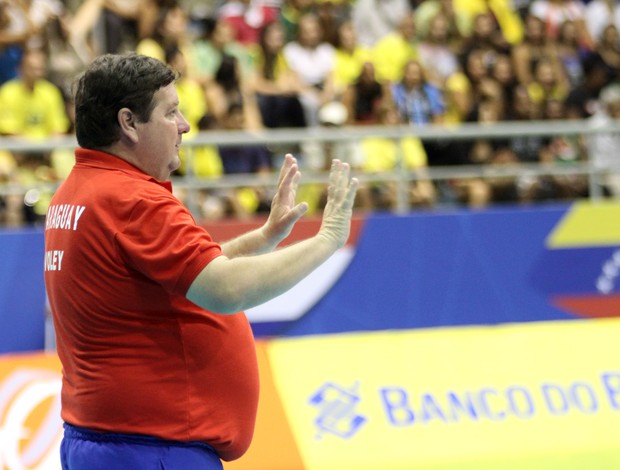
x: 255, y: 64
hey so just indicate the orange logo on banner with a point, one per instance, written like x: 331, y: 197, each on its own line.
x: 30, y: 424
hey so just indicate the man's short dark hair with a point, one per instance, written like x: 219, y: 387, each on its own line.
x: 112, y: 82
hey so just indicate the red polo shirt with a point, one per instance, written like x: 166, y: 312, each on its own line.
x: 137, y: 356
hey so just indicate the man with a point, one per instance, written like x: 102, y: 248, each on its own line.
x: 159, y: 369
x: 30, y: 105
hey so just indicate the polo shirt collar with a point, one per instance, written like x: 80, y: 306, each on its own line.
x: 107, y: 161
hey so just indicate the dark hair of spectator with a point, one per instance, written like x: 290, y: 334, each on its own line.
x: 171, y: 52
x: 113, y: 82
x: 227, y: 74
x: 269, y: 57
x: 164, y: 10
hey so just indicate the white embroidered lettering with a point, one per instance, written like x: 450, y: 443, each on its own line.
x: 64, y: 216
x: 53, y: 260
x: 78, y: 213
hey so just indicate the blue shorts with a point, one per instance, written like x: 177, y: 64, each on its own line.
x: 82, y: 449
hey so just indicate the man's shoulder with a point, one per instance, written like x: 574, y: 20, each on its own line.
x: 114, y: 198
x: 116, y: 184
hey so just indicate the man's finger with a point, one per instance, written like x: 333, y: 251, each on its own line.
x: 350, y: 200
x: 289, y: 160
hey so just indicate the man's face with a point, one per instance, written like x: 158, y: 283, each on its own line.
x: 159, y: 139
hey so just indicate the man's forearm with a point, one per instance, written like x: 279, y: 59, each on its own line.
x: 231, y: 285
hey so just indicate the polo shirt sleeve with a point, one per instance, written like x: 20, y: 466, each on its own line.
x: 162, y: 241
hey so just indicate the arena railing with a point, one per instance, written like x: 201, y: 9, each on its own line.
x: 191, y: 184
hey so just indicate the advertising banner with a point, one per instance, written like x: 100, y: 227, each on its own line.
x: 540, y: 395
x: 471, y: 340
x: 501, y: 265
x: 535, y: 395
x: 30, y: 425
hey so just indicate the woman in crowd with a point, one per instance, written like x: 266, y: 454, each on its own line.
x: 276, y: 86
x: 229, y: 87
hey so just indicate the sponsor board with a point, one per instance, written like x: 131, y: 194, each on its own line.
x: 30, y: 425
x: 537, y: 396
x: 503, y: 396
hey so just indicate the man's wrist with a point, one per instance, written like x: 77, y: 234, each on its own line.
x: 269, y: 239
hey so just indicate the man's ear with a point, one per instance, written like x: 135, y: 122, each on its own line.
x: 127, y: 122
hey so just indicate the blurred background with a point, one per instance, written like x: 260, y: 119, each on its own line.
x: 471, y: 320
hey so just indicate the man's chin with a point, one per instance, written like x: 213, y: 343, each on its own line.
x: 174, y: 165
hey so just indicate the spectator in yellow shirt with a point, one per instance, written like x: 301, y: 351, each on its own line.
x: 507, y: 17
x: 192, y: 101
x: 350, y: 57
x: 192, y: 98
x: 380, y: 154
x: 30, y: 105
x: 274, y: 84
x: 393, y: 51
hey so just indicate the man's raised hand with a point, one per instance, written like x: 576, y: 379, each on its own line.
x: 336, y: 224
x: 285, y: 212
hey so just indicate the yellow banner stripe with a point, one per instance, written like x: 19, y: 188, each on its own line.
x: 587, y: 225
